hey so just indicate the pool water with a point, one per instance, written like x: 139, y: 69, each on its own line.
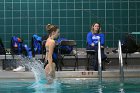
x: 71, y: 85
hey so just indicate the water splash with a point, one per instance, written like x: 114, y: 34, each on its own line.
x: 36, y: 66
x: 41, y: 81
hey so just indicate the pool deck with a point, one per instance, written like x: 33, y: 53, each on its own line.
x: 131, y: 70
x: 71, y: 74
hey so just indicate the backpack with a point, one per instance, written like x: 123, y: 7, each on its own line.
x: 16, y: 45
x: 36, y: 44
x: 2, y: 49
x: 64, y: 49
x: 26, y: 51
x: 129, y: 44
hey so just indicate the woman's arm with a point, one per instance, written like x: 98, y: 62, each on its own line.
x: 50, y: 53
x: 89, y: 39
x: 102, y: 39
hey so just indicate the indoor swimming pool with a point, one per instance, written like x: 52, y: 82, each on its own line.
x: 71, y: 85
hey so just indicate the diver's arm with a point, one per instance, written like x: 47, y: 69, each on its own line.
x: 50, y: 53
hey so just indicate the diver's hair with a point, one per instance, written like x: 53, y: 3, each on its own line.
x: 99, y: 26
x: 51, y: 28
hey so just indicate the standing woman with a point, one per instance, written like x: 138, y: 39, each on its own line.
x: 92, y: 43
x: 53, y: 33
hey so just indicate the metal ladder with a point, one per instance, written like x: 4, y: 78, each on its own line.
x: 120, y: 61
x: 99, y: 61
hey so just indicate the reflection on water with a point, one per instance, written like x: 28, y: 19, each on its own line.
x: 71, y: 85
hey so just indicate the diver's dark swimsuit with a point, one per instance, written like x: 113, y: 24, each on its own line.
x: 45, y: 64
x: 48, y: 62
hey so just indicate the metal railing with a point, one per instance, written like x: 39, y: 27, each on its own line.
x: 120, y: 61
x: 99, y: 61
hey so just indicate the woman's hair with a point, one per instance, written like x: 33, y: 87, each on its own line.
x: 51, y: 28
x: 99, y: 26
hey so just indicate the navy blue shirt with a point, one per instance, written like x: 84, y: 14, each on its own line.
x: 93, y: 38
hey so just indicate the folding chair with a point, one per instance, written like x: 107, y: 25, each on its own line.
x: 3, y: 52
x: 90, y: 56
x: 62, y: 54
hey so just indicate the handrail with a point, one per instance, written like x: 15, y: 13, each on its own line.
x: 99, y: 61
x: 120, y: 61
